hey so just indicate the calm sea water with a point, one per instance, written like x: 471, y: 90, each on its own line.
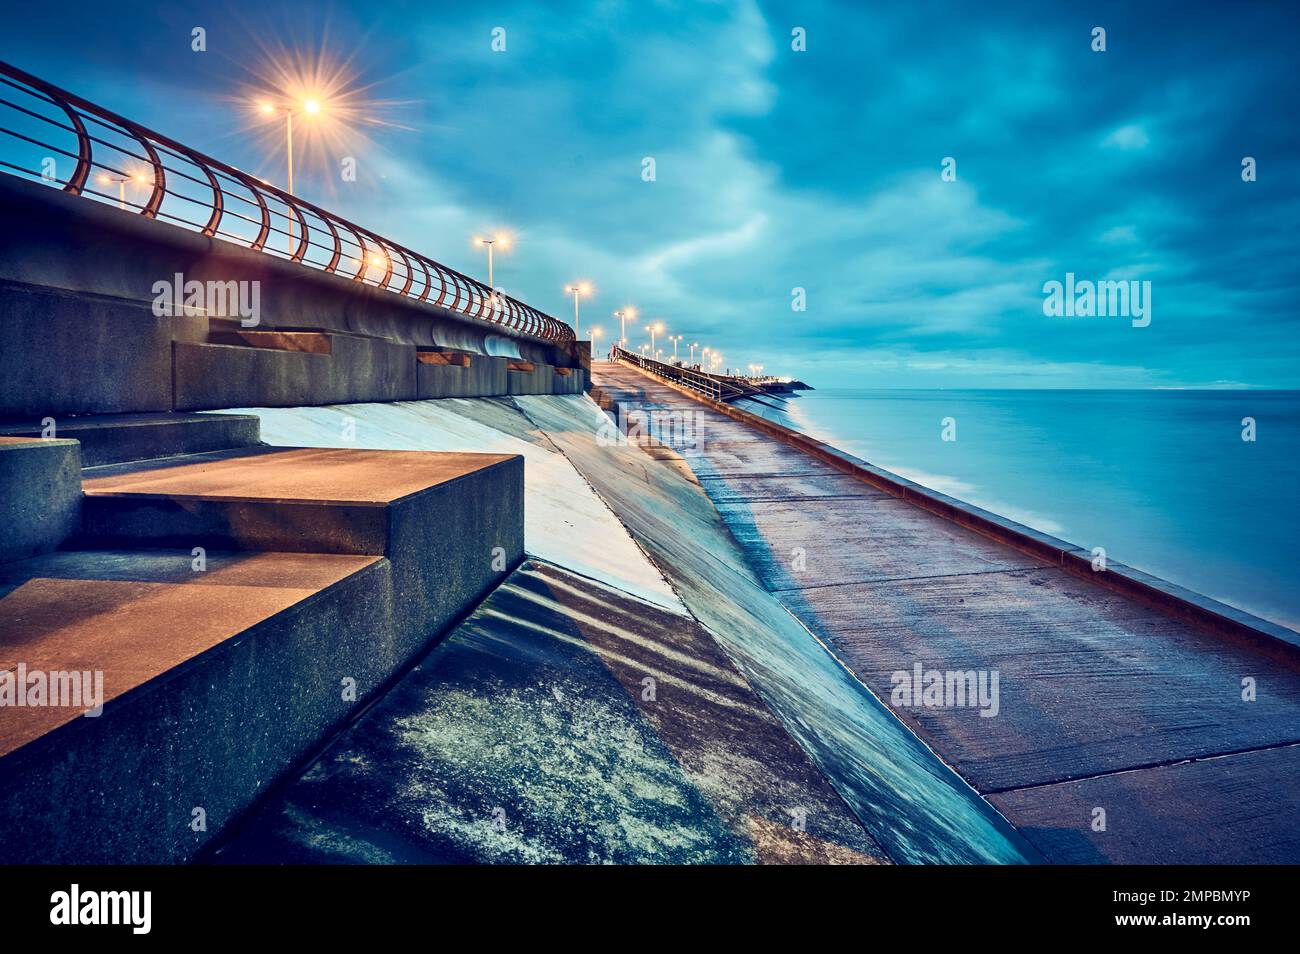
x: 1161, y: 479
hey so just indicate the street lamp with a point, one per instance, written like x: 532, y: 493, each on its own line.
x: 656, y: 327
x: 694, y: 345
x: 674, y: 339
x: 308, y: 107
x: 121, y: 181
x: 581, y: 288
x: 503, y: 241
x: 596, y: 334
x: 624, y: 316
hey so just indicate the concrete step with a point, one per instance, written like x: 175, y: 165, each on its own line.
x: 316, y: 500
x: 319, y: 567
x: 40, y: 495
x: 118, y: 438
x: 449, y: 522
x: 212, y: 683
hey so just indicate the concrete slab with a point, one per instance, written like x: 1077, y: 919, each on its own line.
x: 836, y: 541
x: 532, y: 735
x: 355, y: 368
x: 1089, y: 682
x: 452, y: 524
x: 290, y: 475
x: 447, y: 377
x: 64, y: 353
x: 133, y: 631
x: 1234, y: 809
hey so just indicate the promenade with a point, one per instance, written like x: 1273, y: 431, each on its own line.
x: 1121, y: 733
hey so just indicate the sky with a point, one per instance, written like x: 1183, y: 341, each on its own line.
x: 778, y: 169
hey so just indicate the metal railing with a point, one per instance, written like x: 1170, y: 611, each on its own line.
x: 710, y: 385
x: 193, y: 190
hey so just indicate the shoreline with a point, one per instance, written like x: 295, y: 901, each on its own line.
x: 1172, y: 598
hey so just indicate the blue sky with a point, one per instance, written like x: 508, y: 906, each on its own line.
x: 778, y: 169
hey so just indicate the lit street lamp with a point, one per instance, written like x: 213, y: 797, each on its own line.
x: 503, y: 241
x: 596, y: 334
x: 121, y: 181
x: 308, y: 107
x: 624, y: 316
x: 674, y: 339
x: 581, y: 288
x: 656, y: 327
x: 694, y: 345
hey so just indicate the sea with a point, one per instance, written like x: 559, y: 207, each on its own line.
x: 1196, y: 487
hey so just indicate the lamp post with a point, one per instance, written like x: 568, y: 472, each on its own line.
x: 579, y: 288
x: 624, y: 316
x: 596, y: 334
x: 501, y: 240
x: 674, y: 339
x: 308, y: 107
x: 656, y: 327
x: 121, y: 181
x: 694, y: 345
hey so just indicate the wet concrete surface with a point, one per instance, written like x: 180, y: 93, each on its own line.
x: 564, y: 722
x: 912, y: 803
x: 527, y: 735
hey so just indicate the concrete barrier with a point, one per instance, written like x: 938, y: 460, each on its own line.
x: 530, y: 378
x: 481, y: 376
x: 40, y: 495
x: 77, y: 245
x: 64, y: 353
x: 355, y: 369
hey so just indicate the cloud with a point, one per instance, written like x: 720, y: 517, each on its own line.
x: 1127, y: 138
x: 820, y: 170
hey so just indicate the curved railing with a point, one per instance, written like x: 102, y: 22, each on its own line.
x: 710, y: 385
x: 118, y: 161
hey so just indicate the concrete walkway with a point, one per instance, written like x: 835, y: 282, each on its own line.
x: 1120, y: 734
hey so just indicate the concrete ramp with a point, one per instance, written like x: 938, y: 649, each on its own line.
x: 580, y: 715
x: 564, y: 722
